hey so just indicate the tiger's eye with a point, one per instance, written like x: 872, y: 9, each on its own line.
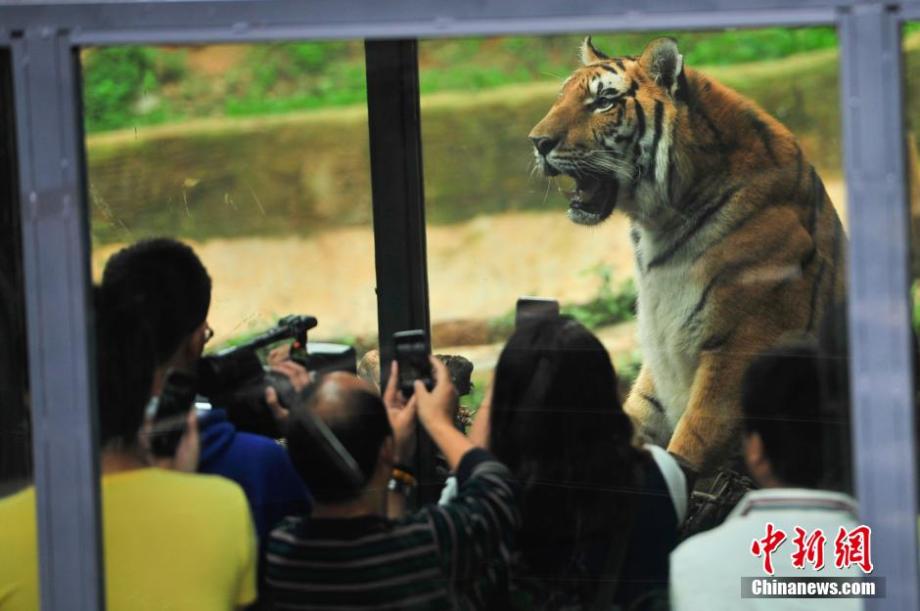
x: 605, y: 103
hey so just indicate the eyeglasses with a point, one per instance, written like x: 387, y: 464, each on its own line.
x: 208, y: 333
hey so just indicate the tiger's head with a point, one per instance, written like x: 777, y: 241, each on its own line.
x: 611, y: 129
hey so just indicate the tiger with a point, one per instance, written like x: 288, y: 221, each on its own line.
x: 736, y: 241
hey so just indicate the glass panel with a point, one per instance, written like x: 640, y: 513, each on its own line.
x: 15, y: 433
x: 257, y: 156
x: 727, y: 222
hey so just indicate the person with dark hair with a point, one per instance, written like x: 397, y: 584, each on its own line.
x: 795, y: 424
x: 167, y: 282
x: 172, y: 538
x: 348, y: 554
x: 599, y: 514
x: 355, y: 414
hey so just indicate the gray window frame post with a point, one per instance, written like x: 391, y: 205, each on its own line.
x: 879, y: 294
x: 56, y: 254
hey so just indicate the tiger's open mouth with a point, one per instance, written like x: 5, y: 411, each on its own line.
x: 593, y: 199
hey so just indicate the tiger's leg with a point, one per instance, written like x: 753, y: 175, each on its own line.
x: 647, y: 411
x: 709, y: 431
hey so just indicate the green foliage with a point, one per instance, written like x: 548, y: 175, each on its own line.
x: 733, y: 46
x: 471, y: 401
x: 611, y: 305
x: 347, y: 88
x: 113, y: 80
x: 279, y: 78
x: 116, y: 78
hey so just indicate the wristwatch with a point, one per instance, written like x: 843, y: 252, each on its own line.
x: 402, y: 481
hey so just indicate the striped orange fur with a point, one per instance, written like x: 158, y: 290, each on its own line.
x: 736, y: 240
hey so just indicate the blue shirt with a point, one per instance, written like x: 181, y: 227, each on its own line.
x: 258, y: 464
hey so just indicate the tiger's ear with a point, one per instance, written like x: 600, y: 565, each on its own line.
x: 590, y: 54
x: 663, y: 62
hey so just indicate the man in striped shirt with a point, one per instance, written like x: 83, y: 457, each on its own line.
x: 348, y: 553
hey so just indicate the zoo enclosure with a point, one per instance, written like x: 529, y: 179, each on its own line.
x: 39, y: 71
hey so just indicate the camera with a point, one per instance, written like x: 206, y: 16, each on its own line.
x: 235, y: 379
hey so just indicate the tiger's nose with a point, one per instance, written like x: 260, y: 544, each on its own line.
x: 544, y: 144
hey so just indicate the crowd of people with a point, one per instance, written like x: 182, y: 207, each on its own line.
x: 551, y: 503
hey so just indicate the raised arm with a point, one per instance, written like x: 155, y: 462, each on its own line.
x: 435, y: 410
x: 475, y: 529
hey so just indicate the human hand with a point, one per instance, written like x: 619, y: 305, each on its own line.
x: 296, y: 373
x: 402, y: 416
x: 279, y: 354
x: 437, y: 407
x: 435, y: 410
x: 479, y: 430
x: 299, y: 378
x: 279, y: 412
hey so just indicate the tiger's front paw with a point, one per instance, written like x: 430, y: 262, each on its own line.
x: 649, y: 421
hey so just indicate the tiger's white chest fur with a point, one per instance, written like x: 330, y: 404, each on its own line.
x: 667, y: 297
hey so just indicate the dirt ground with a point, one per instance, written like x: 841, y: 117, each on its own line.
x: 476, y: 270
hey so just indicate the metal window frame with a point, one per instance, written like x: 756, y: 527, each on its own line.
x: 398, y: 188
x: 56, y: 250
x: 56, y: 244
x: 879, y: 316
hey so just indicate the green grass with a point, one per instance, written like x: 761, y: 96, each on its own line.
x: 611, y: 305
x: 472, y: 401
x: 140, y: 86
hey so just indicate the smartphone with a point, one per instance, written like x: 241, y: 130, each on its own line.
x: 534, y: 308
x: 170, y: 412
x: 411, y: 351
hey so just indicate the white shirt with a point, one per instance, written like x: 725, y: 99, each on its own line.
x: 706, y: 570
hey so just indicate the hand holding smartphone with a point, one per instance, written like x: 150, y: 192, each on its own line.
x: 411, y: 352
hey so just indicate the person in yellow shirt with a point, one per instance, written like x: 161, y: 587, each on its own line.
x: 172, y: 539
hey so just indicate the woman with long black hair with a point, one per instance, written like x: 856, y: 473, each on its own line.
x: 600, y: 515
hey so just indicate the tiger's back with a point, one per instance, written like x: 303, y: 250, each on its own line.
x: 736, y: 240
